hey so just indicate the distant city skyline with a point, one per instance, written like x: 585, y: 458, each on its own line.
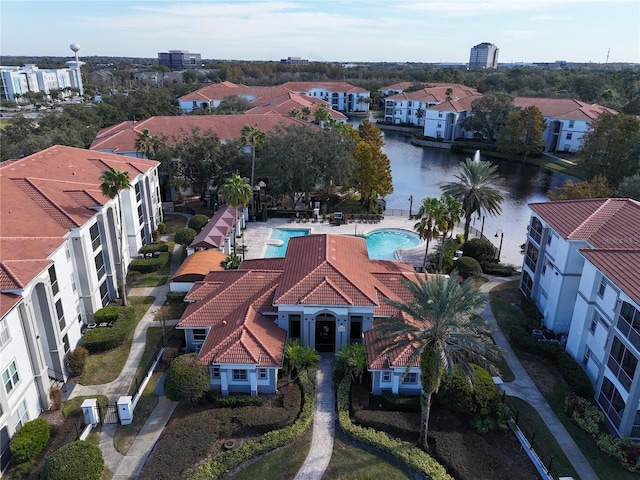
x: 430, y: 31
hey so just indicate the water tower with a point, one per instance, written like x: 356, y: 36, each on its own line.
x: 75, y: 66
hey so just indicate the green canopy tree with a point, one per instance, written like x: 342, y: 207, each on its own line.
x: 629, y: 187
x: 612, y: 147
x: 186, y: 379
x: 452, y: 212
x: 113, y: 182
x: 372, y: 175
x: 439, y: 322
x: 233, y: 104
x: 475, y: 189
x: 522, y: 133
x: 597, y: 187
x: 489, y: 114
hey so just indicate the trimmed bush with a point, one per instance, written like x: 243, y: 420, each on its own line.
x: 230, y: 459
x: 588, y: 417
x: 479, y: 248
x: 400, y: 403
x: 234, y: 401
x: 101, y: 339
x: 154, y: 247
x: 499, y: 270
x: 626, y: 451
x: 176, y: 297
x: 76, y: 361
x: 413, y: 457
x: 162, y: 228
x: 148, y: 265
x: 107, y: 314
x: 481, y: 398
x: 197, y: 222
x: 79, y: 460
x: 184, y: 236
x: 30, y: 440
x: 468, y: 267
x: 186, y: 379
x: 55, y: 395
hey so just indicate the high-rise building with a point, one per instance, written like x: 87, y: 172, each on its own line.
x: 483, y: 55
x: 177, y: 59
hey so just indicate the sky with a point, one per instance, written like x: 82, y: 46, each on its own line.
x: 430, y: 31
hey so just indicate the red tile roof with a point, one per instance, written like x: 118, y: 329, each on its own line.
x: 240, y: 306
x: 283, y: 104
x: 620, y: 266
x: 7, y: 302
x: 57, y: 188
x: 122, y: 137
x: 565, y: 108
x: 218, y: 228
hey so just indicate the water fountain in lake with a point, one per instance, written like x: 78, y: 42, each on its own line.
x: 476, y: 156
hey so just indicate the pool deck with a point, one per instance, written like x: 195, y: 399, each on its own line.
x: 257, y: 234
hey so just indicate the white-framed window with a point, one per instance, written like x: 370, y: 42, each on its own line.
x: 386, y: 375
x: 60, y: 314
x: 544, y: 268
x: 262, y: 373
x: 571, y: 123
x: 239, y: 375
x: 65, y: 342
x: 21, y: 415
x: 199, y: 334
x: 10, y: 377
x: 587, y: 356
x: 53, y: 279
x: 440, y: 114
x: 411, y: 377
x: 569, y: 136
x: 602, y: 287
x: 594, y: 322
x: 215, y: 372
x: 67, y: 252
x: 4, y: 332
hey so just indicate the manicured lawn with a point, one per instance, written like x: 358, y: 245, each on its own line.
x: 174, y: 223
x: 505, y: 301
x: 72, y: 406
x: 283, y: 463
x: 171, y: 311
x: 106, y: 366
x: 153, y: 279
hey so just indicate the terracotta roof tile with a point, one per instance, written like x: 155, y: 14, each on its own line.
x: 622, y: 266
x: 217, y: 229
x: 7, y: 302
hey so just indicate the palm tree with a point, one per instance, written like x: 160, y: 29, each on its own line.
x: 236, y: 192
x: 298, y: 357
x: 474, y: 189
x: 250, y: 135
x: 452, y: 213
x: 113, y: 182
x: 430, y: 216
x: 147, y: 144
x: 440, y: 322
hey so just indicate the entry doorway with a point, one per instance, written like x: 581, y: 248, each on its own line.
x: 325, y: 333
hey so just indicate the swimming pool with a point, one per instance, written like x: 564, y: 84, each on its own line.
x: 277, y: 243
x: 382, y: 244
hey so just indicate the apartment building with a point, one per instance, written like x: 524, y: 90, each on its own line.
x: 15, y: 82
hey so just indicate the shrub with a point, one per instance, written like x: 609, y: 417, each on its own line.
x: 468, y: 267
x: 55, y: 394
x: 162, y: 228
x: 197, y: 222
x: 102, y: 339
x: 30, y: 440
x: 184, y: 236
x: 625, y: 450
x: 154, y: 247
x: 230, y: 459
x: 587, y: 416
x: 481, y: 398
x: 574, y: 375
x: 76, y: 361
x: 107, y: 314
x: 79, y: 460
x: 232, y: 262
x: 176, y: 297
x: 479, y: 248
x: 22, y: 470
x: 400, y: 403
x: 499, y: 270
x: 148, y: 265
x: 415, y: 458
x: 155, y: 234
x: 186, y: 379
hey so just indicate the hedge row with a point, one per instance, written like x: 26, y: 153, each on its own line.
x: 400, y: 403
x: 176, y: 297
x: 230, y: 459
x: 102, y: 339
x: 30, y: 440
x: 571, y: 371
x: 234, y: 401
x: 154, y: 247
x: 148, y: 265
x: 407, y: 453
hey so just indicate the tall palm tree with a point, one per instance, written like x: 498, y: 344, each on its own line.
x: 430, y: 216
x: 439, y: 321
x: 250, y: 135
x: 113, y: 182
x: 452, y: 213
x: 236, y: 192
x: 474, y: 189
x: 147, y: 144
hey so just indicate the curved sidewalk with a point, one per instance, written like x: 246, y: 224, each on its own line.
x: 523, y: 387
x: 324, y: 423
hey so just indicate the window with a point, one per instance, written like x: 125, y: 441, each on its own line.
x: 611, y: 402
x: 622, y: 363
x: 531, y: 257
x: 4, y: 332
x: 262, y: 373
x: 140, y: 215
x: 60, y: 314
x: 138, y: 192
x: 386, y: 375
x: 587, y: 356
x: 99, y: 262
x: 408, y: 112
x: 535, y: 231
x: 104, y: 293
x: 73, y: 284
x: 10, y: 377
x: 199, y: 334
x: 571, y: 123
x: 355, y: 329
x: 544, y: 268
x: 53, y: 279
x: 65, y: 341
x: 215, y: 372
x: 67, y: 252
x: 94, y: 232
x: 549, y: 237
x: 439, y: 124
x: 569, y: 136
x: 594, y: 322
x: 527, y: 284
x: 440, y: 114
x: 21, y: 416
x: 239, y: 375
x: 602, y: 287
x: 411, y: 378
x: 294, y: 326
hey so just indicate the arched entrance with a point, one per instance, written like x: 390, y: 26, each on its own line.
x: 325, y: 333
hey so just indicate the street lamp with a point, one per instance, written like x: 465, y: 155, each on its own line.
x: 499, y: 232
x: 410, y: 204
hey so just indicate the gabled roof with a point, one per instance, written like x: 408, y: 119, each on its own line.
x: 197, y: 265
x: 284, y: 103
x: 58, y: 189
x: 121, y: 138
x: 563, y: 108
x: 337, y: 87
x: 240, y: 306
x: 620, y: 266
x: 437, y: 92
x: 217, y: 229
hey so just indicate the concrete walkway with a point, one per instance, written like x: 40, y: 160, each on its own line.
x: 324, y: 423
x: 524, y: 388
